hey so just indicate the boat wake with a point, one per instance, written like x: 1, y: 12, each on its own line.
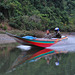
x: 65, y: 45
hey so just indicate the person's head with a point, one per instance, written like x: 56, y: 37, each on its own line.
x: 56, y: 29
x: 48, y: 31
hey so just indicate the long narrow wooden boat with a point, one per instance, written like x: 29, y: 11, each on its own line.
x: 41, y: 42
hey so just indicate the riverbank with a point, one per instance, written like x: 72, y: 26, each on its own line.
x: 6, y: 39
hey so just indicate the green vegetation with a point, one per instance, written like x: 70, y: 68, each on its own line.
x: 35, y: 33
x: 21, y: 33
x: 38, y: 14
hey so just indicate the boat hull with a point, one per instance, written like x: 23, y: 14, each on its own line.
x: 37, y: 42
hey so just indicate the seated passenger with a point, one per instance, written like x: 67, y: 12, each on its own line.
x: 48, y: 35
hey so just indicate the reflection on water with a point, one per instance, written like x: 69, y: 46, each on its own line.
x: 8, y: 55
x: 24, y: 47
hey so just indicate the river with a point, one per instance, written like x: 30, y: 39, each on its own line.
x: 9, y: 53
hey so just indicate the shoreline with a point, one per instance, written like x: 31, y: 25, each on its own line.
x: 5, y: 39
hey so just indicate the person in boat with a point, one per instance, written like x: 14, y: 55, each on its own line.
x: 48, y: 35
x: 48, y: 58
x: 57, y: 33
x: 58, y: 57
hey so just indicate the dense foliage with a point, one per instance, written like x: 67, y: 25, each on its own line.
x: 39, y: 14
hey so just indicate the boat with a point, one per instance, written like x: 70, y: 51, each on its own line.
x: 41, y: 42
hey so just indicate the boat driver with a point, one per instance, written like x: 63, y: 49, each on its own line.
x: 57, y: 33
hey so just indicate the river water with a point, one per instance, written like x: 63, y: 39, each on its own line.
x: 65, y: 45
x: 9, y: 53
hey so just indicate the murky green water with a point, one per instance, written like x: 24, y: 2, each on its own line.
x: 9, y: 53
